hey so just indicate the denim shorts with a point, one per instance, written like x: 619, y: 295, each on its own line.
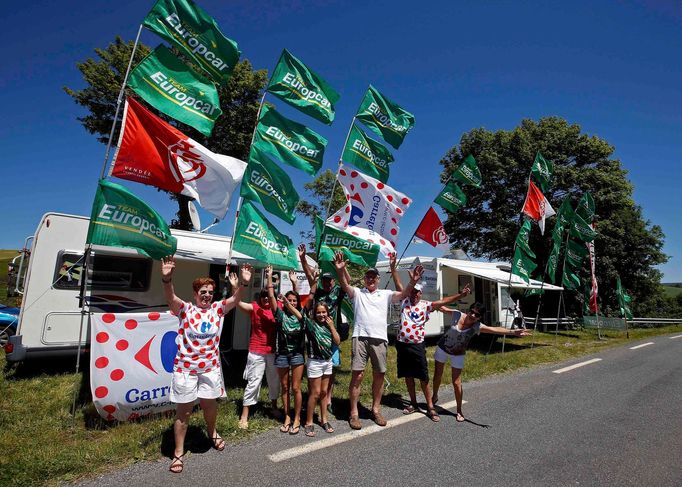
x: 289, y: 360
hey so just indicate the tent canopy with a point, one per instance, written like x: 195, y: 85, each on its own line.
x: 495, y: 271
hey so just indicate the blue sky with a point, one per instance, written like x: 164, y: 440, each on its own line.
x: 611, y: 67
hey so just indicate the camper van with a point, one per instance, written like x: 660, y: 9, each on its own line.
x: 489, y: 283
x: 120, y: 280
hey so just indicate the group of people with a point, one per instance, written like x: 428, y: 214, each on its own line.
x: 284, y: 329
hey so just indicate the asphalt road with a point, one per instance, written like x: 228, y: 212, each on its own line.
x: 617, y: 421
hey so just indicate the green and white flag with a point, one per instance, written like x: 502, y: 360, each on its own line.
x: 553, y: 261
x: 575, y: 254
x: 384, y: 117
x: 570, y: 279
x: 266, y: 183
x: 522, y: 265
x: 522, y: 238
x: 368, y: 155
x: 256, y: 237
x: 355, y: 249
x: 121, y: 219
x: 195, y: 33
x: 289, y: 141
x: 468, y: 172
x: 585, y: 207
x: 452, y: 198
x: 564, y: 219
x: 581, y: 230
x: 296, y: 84
x: 542, y: 171
x: 624, y: 300
x: 170, y: 86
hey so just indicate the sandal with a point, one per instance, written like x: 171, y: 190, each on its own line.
x: 410, y: 409
x: 284, y: 428
x: 295, y: 429
x: 327, y: 427
x: 433, y: 415
x: 309, y: 430
x: 218, y: 443
x: 434, y: 400
x: 460, y: 418
x: 177, y: 465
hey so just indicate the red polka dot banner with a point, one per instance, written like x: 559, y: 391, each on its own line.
x: 373, y: 209
x: 131, y: 363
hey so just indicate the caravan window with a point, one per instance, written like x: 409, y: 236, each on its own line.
x: 110, y: 272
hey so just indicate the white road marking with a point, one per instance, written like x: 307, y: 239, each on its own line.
x: 352, y: 435
x: 575, y: 366
x: 676, y: 336
x: 642, y: 345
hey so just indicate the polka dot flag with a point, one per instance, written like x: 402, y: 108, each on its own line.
x: 131, y: 363
x: 373, y: 209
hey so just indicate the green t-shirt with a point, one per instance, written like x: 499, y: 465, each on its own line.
x: 319, y: 340
x: 333, y: 301
x: 290, y: 336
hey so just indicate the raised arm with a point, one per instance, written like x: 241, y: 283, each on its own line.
x: 451, y: 299
x: 292, y: 279
x: 392, y: 262
x: 498, y: 330
x: 167, y: 269
x: 270, y: 287
x: 309, y: 273
x: 342, y: 273
x: 415, y: 277
x: 237, y: 285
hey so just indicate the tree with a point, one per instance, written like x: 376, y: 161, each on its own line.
x: 239, y: 101
x: 627, y: 244
x: 320, y: 189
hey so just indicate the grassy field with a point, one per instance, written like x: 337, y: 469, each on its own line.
x: 673, y: 289
x: 42, y: 444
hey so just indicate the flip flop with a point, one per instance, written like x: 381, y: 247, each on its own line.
x: 309, y: 430
x: 294, y: 430
x: 218, y: 443
x: 460, y: 418
x: 327, y: 427
x: 284, y: 428
x: 410, y: 409
x: 177, y: 465
x: 433, y: 415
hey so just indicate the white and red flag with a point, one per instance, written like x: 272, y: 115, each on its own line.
x: 537, y: 207
x: 432, y: 232
x: 373, y: 209
x: 150, y: 151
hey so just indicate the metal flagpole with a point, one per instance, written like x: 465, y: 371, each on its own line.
x: 83, y: 301
x: 118, y: 102
x: 558, y: 310
x: 537, y: 311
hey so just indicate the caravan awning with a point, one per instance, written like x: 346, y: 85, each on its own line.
x: 492, y: 272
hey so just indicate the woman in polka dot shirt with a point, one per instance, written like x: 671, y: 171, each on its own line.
x: 197, y: 371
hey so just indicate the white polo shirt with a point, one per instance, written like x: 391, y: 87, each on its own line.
x: 371, y: 312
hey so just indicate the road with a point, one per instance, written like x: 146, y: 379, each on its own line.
x: 613, y: 421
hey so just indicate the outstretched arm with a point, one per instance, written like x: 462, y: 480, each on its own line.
x: 394, y: 271
x: 498, y: 330
x: 309, y: 274
x: 342, y: 273
x: 451, y: 299
x: 237, y: 284
x: 167, y: 269
x: 415, y: 277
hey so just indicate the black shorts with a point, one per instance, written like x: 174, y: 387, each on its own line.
x: 412, y: 360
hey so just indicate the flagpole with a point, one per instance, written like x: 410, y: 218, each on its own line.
x: 83, y: 300
x: 118, y: 102
x: 537, y: 311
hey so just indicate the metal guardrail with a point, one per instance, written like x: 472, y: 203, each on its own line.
x: 604, y: 322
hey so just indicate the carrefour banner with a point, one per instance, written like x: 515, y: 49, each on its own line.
x: 131, y: 363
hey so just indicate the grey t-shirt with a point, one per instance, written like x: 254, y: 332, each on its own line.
x: 455, y: 341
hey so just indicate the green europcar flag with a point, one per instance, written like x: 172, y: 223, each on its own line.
x: 368, y: 155
x: 553, y: 261
x: 575, y: 253
x: 452, y: 198
x: 256, y: 237
x: 564, y: 219
x: 266, y: 183
x: 384, y: 117
x: 170, y: 86
x: 355, y: 249
x: 195, y: 33
x: 570, y: 279
x: 522, y: 238
x: 522, y: 265
x: 587, y: 292
x: 624, y: 300
x: 299, y: 86
x: 581, y: 230
x: 468, y: 172
x: 289, y: 141
x: 542, y: 171
x: 585, y: 207
x: 121, y: 219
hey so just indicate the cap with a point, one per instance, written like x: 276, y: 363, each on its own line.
x: 418, y: 287
x: 327, y: 275
x: 372, y: 270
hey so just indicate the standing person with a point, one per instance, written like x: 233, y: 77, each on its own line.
x: 370, y: 337
x: 288, y: 352
x: 453, y: 344
x: 197, y: 371
x: 261, y: 358
x: 332, y: 295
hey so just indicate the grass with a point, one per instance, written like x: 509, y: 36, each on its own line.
x: 672, y: 290
x: 43, y: 445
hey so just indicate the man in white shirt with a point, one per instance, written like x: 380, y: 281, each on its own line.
x: 370, y: 337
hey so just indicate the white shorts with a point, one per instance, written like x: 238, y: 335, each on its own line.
x: 318, y: 368
x: 456, y: 361
x: 186, y: 387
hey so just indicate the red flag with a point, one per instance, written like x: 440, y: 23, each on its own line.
x: 537, y: 207
x: 150, y: 151
x: 431, y: 230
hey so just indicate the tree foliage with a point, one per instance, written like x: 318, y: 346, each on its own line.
x: 628, y: 245
x: 320, y: 189
x: 239, y: 101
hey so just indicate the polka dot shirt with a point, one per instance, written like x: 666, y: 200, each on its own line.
x: 412, y: 320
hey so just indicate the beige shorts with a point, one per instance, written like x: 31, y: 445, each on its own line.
x: 363, y: 348
x: 186, y: 387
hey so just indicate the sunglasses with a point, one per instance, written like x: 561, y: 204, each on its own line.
x: 204, y: 291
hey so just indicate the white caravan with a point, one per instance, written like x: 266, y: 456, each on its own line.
x: 489, y: 282
x: 121, y: 280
